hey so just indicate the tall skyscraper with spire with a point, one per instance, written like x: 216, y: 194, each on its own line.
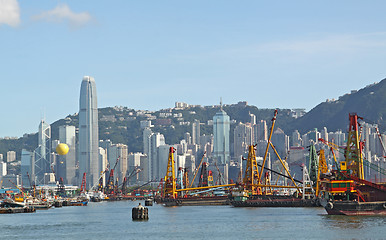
x: 88, y: 132
x: 221, y: 129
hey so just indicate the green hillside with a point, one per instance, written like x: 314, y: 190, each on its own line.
x: 368, y: 102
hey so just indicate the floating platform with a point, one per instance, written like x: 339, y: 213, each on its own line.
x: 17, y: 210
x: 275, y: 201
x: 194, y: 201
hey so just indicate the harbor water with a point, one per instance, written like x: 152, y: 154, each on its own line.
x: 112, y: 220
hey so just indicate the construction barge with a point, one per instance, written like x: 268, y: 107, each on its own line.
x: 194, y: 201
x: 344, y: 191
x: 275, y: 201
x: 254, y: 190
x: 8, y: 206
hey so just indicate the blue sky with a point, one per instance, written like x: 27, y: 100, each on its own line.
x: 150, y: 54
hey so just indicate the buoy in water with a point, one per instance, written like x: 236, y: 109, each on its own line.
x: 140, y: 213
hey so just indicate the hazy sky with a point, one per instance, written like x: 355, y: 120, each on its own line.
x: 150, y: 54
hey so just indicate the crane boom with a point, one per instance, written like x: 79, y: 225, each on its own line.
x: 195, y: 174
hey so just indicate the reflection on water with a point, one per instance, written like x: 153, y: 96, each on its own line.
x: 112, y: 220
x: 353, y: 222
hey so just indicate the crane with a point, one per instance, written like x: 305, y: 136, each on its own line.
x: 110, y: 182
x: 135, y: 171
x: 195, y: 174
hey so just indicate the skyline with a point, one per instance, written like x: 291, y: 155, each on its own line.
x: 150, y: 55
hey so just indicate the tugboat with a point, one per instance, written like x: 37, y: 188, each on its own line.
x: 344, y: 191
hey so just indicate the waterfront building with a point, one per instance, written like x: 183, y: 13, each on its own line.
x: 27, y: 167
x: 43, y: 152
x: 88, y: 132
x: 66, y: 164
x: 221, y: 129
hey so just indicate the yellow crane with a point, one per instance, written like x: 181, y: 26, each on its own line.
x: 170, y: 178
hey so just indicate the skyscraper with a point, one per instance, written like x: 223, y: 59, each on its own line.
x: 261, y: 132
x: 243, y: 137
x: 42, y: 152
x: 66, y: 163
x: 88, y: 132
x: 27, y: 166
x: 221, y: 128
x: 196, y: 132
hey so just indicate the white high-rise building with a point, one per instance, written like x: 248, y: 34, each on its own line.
x: 88, y: 132
x: 157, y: 139
x: 3, y: 169
x: 243, y: 137
x: 118, y: 151
x: 147, y: 133
x: 11, y: 156
x: 261, y: 131
x: 196, y: 132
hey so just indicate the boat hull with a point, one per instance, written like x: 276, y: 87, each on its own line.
x: 352, y: 208
x: 195, y: 201
x: 275, y: 201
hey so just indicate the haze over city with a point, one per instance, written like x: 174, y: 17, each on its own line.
x: 148, y: 55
